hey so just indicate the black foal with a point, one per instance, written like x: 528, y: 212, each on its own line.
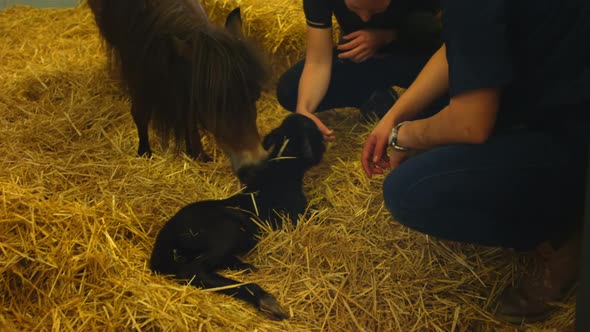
x: 210, y: 235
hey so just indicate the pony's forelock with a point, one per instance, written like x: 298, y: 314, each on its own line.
x: 233, y: 81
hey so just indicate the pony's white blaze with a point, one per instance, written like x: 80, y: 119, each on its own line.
x: 245, y: 158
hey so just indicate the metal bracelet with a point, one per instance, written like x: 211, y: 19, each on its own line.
x: 393, y: 137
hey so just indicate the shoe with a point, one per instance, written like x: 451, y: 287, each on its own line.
x: 550, y: 278
x: 378, y: 104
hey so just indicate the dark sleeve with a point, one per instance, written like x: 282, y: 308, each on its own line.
x: 318, y: 13
x: 420, y: 30
x: 424, y: 5
x: 478, y: 51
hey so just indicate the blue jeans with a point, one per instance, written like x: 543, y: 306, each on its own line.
x: 518, y: 189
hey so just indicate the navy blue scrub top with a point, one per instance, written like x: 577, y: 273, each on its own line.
x: 537, y: 51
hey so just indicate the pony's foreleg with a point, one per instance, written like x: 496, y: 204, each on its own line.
x: 194, y: 147
x: 141, y: 117
x: 251, y: 293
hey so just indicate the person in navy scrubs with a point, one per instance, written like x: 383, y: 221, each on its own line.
x: 503, y: 163
x: 383, y: 43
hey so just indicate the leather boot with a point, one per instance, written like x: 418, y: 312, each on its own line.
x: 550, y: 278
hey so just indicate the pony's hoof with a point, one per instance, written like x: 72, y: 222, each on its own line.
x: 144, y: 153
x: 202, y: 156
x: 271, y: 308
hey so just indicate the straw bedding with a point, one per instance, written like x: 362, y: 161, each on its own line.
x: 79, y: 211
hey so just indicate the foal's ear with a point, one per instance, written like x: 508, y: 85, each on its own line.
x: 307, y: 149
x: 233, y: 23
x: 183, y: 48
x: 271, y: 139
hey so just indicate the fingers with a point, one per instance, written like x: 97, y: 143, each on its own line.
x: 367, y: 155
x: 352, y: 54
x: 349, y: 45
x: 378, y: 151
x: 327, y: 132
x: 329, y: 135
x: 358, y: 48
x: 370, y: 166
x: 383, y: 162
x: 353, y: 41
x: 361, y: 57
x: 358, y: 54
x: 352, y: 35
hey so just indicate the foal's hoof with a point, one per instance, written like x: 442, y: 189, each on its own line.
x: 241, y: 266
x: 271, y: 308
x: 248, y: 268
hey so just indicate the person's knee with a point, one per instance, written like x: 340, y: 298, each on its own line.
x: 287, y: 87
x: 399, y: 199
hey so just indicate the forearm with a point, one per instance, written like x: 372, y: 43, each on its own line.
x: 313, y: 86
x: 317, y: 70
x: 427, y: 133
x: 468, y: 119
x: 431, y: 84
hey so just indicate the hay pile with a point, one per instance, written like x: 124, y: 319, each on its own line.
x: 79, y: 211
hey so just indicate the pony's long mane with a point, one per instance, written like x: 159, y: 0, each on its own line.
x: 183, y: 70
x: 227, y: 76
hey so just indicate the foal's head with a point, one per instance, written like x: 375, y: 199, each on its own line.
x: 298, y: 139
x: 293, y: 148
x: 228, y: 74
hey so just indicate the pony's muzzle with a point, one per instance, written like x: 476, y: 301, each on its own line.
x: 247, y: 164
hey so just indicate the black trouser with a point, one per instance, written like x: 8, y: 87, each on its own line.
x: 351, y: 84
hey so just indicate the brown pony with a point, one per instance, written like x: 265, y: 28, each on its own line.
x: 184, y: 74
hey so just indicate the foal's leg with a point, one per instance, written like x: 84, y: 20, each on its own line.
x: 235, y: 264
x: 251, y: 293
x: 141, y: 117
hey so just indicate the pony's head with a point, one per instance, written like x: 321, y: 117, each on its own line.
x: 228, y: 74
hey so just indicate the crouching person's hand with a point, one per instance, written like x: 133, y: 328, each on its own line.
x: 327, y: 132
x: 374, y: 158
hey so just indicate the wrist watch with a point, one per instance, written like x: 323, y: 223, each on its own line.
x: 393, y: 137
